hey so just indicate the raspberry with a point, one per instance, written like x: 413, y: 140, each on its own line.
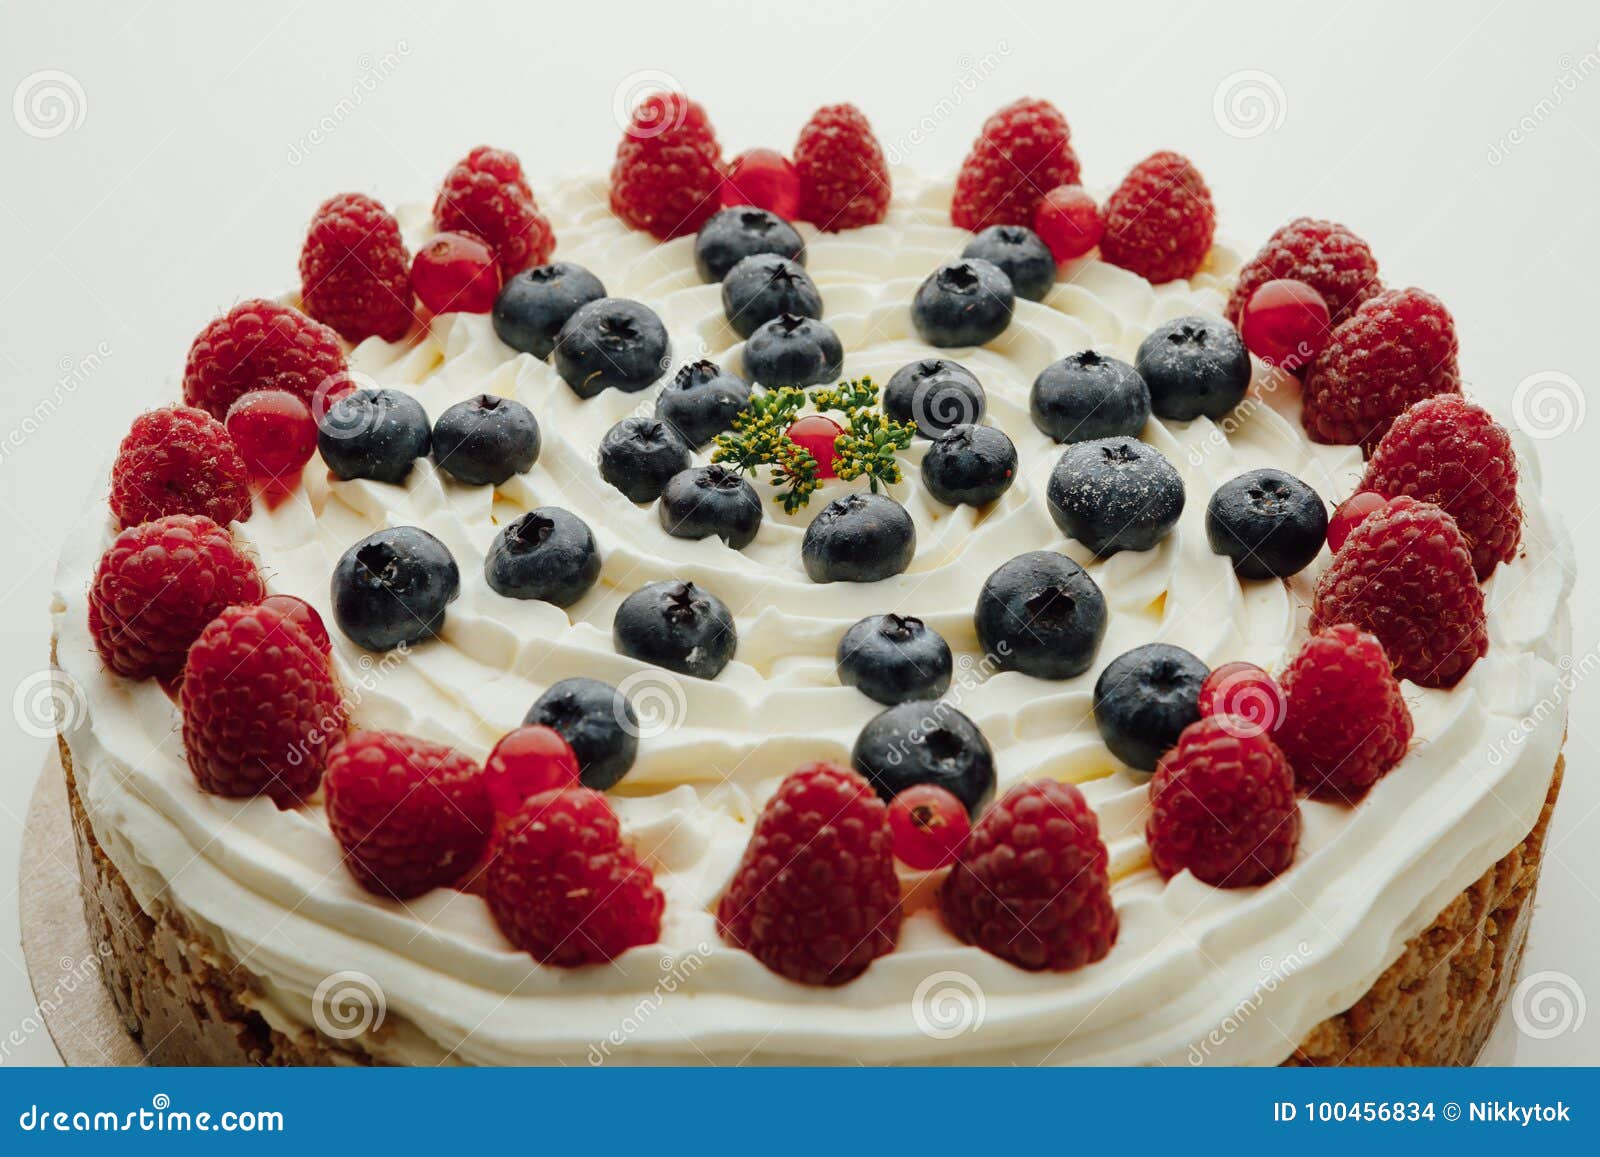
x: 1160, y: 220
x: 260, y: 708
x: 844, y: 180
x: 527, y: 762
x: 487, y: 195
x: 304, y: 616
x: 276, y: 436
x: 260, y: 345
x: 1068, y: 221
x: 1397, y: 348
x: 564, y: 887
x: 1323, y: 254
x: 1222, y: 806
x: 409, y: 814
x: 1405, y: 574
x: 1346, y: 723
x: 1020, y: 155
x: 1030, y: 885
x: 157, y: 587
x: 815, y: 897
x: 929, y: 826
x: 1449, y: 452
x: 667, y: 179
x: 354, y: 271
x: 456, y: 272
x: 178, y: 460
x: 764, y: 178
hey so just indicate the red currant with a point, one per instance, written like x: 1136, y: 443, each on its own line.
x: 456, y: 272
x: 1351, y: 513
x: 304, y: 615
x: 274, y: 433
x: 763, y: 178
x: 817, y: 434
x: 1248, y: 700
x: 524, y: 763
x: 1285, y: 323
x: 928, y: 825
x: 1068, y: 221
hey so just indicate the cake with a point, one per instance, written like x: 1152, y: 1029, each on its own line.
x: 1220, y: 792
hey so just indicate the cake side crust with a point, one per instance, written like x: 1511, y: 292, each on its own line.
x: 187, y: 1003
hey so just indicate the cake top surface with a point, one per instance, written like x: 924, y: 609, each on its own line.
x: 712, y: 752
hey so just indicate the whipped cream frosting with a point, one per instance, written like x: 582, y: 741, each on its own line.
x: 1198, y: 974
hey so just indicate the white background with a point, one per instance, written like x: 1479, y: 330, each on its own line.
x: 1462, y: 140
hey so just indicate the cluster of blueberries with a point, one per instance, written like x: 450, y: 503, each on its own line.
x: 1040, y: 613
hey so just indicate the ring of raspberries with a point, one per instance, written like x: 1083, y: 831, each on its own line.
x: 835, y: 864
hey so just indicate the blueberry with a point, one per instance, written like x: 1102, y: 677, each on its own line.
x: 374, y: 434
x: 1021, y: 256
x: 1144, y: 699
x: 893, y: 659
x: 936, y: 394
x: 678, y: 626
x: 1115, y: 494
x: 537, y: 302
x: 701, y: 401
x: 971, y: 465
x: 764, y: 287
x: 711, y: 500
x: 743, y: 231
x: 1041, y: 614
x: 612, y: 343
x: 1194, y: 366
x: 793, y: 351
x: 859, y: 538
x: 926, y: 741
x: 962, y: 303
x: 598, y: 723
x: 391, y: 588
x: 1268, y: 522
x: 640, y: 455
x: 485, y: 440
x: 1089, y: 395
x: 547, y: 554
